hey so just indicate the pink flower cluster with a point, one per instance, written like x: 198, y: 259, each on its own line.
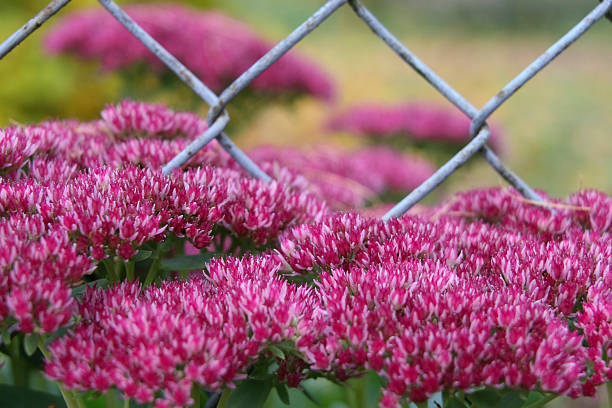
x: 147, y: 135
x: 215, y: 47
x: 486, y: 290
x: 452, y: 302
x: 38, y: 264
x: 585, y: 210
x: 52, y: 234
x: 417, y: 122
x: 424, y: 328
x: 14, y: 149
x: 73, y: 194
x: 130, y: 119
x: 108, y: 212
x: 348, y: 179
x: 260, y: 211
x: 154, y: 344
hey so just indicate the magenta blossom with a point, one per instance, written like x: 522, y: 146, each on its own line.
x: 130, y: 119
x: 260, y: 211
x: 348, y: 179
x: 478, y: 292
x: 38, y: 265
x: 215, y: 47
x: 154, y: 344
x: 421, y: 301
x: 15, y: 149
x: 417, y: 122
x: 425, y: 328
x: 148, y: 135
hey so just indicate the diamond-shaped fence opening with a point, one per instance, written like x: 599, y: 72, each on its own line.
x: 218, y: 117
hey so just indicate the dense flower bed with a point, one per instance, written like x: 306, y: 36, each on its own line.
x: 486, y: 290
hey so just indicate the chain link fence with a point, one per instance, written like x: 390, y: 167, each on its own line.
x: 218, y: 117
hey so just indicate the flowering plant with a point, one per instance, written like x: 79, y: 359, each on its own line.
x: 423, y: 126
x: 208, y: 285
x: 212, y: 45
x: 350, y: 179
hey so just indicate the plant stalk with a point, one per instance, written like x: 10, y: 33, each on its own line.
x: 154, y: 269
x: 18, y: 366
x: 111, y: 399
x: 110, y: 269
x: 195, y: 395
x: 118, y: 264
x: 71, y: 400
x: 129, y: 271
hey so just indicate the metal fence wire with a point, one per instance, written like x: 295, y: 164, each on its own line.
x: 218, y: 117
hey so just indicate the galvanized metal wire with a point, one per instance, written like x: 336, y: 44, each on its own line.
x: 218, y: 117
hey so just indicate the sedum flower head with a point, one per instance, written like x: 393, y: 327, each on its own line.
x: 229, y: 47
x: 419, y: 122
x: 153, y: 344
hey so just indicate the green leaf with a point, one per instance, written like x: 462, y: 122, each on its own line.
x: 184, y: 263
x: 250, y: 394
x: 259, y: 371
x: 511, y: 399
x: 277, y: 352
x: 309, y: 395
x: 533, y: 397
x: 17, y: 397
x: 6, y: 337
x: 453, y: 402
x: 486, y: 398
x: 79, y: 291
x: 30, y: 343
x: 282, y: 392
x: 141, y: 255
x: 537, y: 399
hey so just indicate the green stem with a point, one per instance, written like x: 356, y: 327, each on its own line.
x: 225, y: 395
x: 126, y: 403
x: 71, y: 400
x: 609, y: 388
x: 355, y: 392
x: 129, y: 271
x: 154, y: 269
x: 18, y: 365
x: 118, y: 264
x: 110, y: 269
x: 179, y: 247
x: 195, y: 395
x: 111, y: 399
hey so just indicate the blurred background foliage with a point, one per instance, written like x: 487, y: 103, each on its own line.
x: 558, y: 128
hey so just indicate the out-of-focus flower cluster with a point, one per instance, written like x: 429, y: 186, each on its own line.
x: 349, y: 179
x: 215, y: 47
x: 419, y: 123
